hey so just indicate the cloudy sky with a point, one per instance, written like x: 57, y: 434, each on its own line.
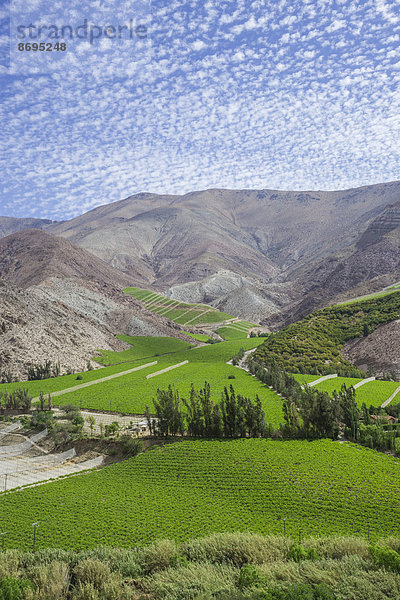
x: 285, y: 94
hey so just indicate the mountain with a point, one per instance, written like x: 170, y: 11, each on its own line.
x: 60, y: 302
x: 260, y: 254
x: 378, y: 352
x: 9, y: 225
x: 368, y: 265
x: 250, y: 251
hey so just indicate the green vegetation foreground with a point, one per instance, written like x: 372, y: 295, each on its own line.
x: 224, y: 567
x: 193, y: 488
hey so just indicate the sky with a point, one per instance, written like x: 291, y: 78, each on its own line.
x: 284, y: 94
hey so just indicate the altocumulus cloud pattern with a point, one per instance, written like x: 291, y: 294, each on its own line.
x: 292, y: 94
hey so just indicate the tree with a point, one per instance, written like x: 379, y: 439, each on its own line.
x: 92, y: 422
x: 169, y: 415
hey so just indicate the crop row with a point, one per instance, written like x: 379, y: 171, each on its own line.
x: 194, y: 488
x: 180, y: 312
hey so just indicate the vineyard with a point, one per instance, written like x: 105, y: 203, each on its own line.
x: 235, y: 330
x: 179, y: 312
x: 372, y: 393
x: 192, y: 488
x: 130, y: 393
x: 142, y: 347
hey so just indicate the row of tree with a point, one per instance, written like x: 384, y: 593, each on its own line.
x: 309, y: 412
x: 200, y: 416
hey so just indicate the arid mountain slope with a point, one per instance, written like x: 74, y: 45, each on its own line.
x: 30, y: 257
x: 254, y: 233
x: 379, y: 352
x: 369, y: 265
x: 9, y: 225
x: 250, y: 252
x: 33, y: 329
x: 78, y: 299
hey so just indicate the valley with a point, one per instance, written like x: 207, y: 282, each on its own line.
x: 251, y: 391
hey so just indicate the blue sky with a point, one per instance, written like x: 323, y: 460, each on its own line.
x: 284, y: 94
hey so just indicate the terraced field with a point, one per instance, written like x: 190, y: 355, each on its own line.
x: 372, y: 393
x: 236, y: 330
x: 180, y: 312
x: 193, y: 488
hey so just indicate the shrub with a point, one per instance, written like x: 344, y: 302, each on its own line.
x: 158, y: 556
x: 93, y: 572
x: 13, y: 589
x: 385, y: 557
x: 131, y: 446
x: 250, y: 576
x: 231, y: 376
x: 299, y: 553
x: 79, y: 377
x: 51, y: 581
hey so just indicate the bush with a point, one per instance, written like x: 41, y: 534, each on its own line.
x: 79, y: 377
x: 158, y: 556
x: 13, y: 589
x: 131, y: 446
x: 92, y: 571
x: 250, y: 576
x: 299, y: 553
x: 231, y: 376
x: 385, y: 557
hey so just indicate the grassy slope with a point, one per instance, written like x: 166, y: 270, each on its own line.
x: 200, y: 337
x: 142, y: 347
x: 389, y: 290
x: 193, y: 488
x: 314, y: 343
x: 372, y: 393
x: 229, y: 333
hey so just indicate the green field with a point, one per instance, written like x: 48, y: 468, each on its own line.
x: 200, y: 337
x: 304, y: 378
x: 180, y: 312
x: 130, y: 393
x: 336, y: 383
x: 142, y: 347
x: 377, y: 392
x: 192, y: 488
x: 236, y: 331
x: 65, y: 381
x: 372, y: 393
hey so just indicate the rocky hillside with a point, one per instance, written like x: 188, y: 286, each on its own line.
x: 9, y: 225
x: 368, y: 265
x: 379, y: 352
x: 61, y: 303
x: 259, y: 232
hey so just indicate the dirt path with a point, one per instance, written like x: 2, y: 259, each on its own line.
x: 388, y: 401
x: 363, y: 382
x: 185, y: 362
x: 89, y: 383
